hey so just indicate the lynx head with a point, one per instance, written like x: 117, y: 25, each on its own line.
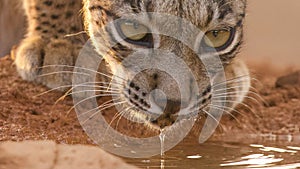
x: 137, y: 32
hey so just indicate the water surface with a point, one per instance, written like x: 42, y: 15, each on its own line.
x: 262, y: 154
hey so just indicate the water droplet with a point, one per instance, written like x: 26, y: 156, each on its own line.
x: 162, y: 136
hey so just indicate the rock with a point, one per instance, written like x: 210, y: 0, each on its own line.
x: 34, y: 155
x: 49, y: 155
x: 292, y: 79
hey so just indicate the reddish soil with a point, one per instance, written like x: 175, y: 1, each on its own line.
x: 26, y: 116
x: 272, y: 109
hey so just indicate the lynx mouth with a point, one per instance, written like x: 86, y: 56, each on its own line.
x: 161, y: 112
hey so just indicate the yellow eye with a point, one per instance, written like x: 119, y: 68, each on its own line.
x: 218, y: 38
x: 133, y: 30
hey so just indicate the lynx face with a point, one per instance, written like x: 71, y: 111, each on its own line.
x: 47, y: 55
x: 151, y: 90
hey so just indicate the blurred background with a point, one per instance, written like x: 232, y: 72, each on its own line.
x: 12, y: 24
x: 272, y: 31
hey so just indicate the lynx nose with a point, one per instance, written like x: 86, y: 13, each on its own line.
x: 162, y: 104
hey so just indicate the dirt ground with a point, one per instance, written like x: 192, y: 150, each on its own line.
x: 26, y: 116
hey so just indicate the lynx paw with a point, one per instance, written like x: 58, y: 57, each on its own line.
x: 49, y: 63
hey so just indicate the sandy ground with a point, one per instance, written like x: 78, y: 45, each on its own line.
x: 23, y: 116
x: 26, y: 116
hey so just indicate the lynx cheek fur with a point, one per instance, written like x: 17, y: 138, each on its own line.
x: 50, y: 20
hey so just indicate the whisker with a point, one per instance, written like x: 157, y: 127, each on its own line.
x: 75, y: 34
x: 237, y: 120
x: 236, y: 96
x: 113, y: 92
x: 233, y: 92
x: 257, y: 81
x: 81, y: 68
x: 102, y: 105
x: 235, y: 102
x: 105, y: 91
x: 243, y: 92
x: 68, y: 86
x: 83, y: 100
x: 107, y: 88
x: 108, y: 83
x: 227, y: 112
x: 234, y: 87
x: 233, y: 80
x: 104, y: 108
x: 61, y: 72
x: 119, y: 119
x: 117, y: 115
x: 251, y: 91
x: 108, y: 105
x: 69, y: 92
x: 228, y: 108
x: 211, y: 116
x: 256, y: 94
x: 51, y: 90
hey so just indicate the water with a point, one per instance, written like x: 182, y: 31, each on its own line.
x: 162, y: 136
x: 260, y: 154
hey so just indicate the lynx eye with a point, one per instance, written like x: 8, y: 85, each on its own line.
x: 133, y: 30
x: 219, y: 39
x: 135, y: 33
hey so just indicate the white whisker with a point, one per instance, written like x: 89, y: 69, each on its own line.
x: 90, y: 70
x: 117, y: 115
x: 228, y: 108
x: 226, y: 111
x: 83, y: 100
x: 104, y: 108
x: 62, y: 72
x: 233, y: 80
x: 233, y: 87
x: 105, y: 91
x: 236, y: 102
x: 211, y: 116
x: 242, y: 92
x: 98, y: 107
x: 75, y: 34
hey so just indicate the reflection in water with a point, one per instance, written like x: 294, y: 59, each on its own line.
x: 214, y: 155
x: 265, y: 161
x: 194, y: 157
x: 255, y: 160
